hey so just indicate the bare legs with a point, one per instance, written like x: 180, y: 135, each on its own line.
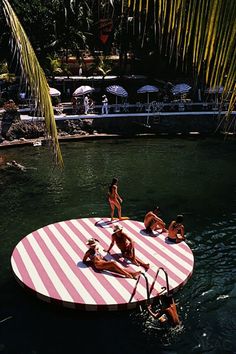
x: 115, y: 267
x: 135, y: 260
x: 114, y: 204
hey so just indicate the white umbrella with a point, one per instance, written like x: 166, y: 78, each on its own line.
x: 148, y: 89
x: 83, y: 90
x: 180, y: 89
x: 215, y: 89
x: 117, y: 90
x: 54, y: 92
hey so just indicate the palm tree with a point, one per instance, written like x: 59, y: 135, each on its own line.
x: 201, y: 33
x: 35, y: 77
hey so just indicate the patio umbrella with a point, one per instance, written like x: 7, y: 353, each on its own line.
x: 83, y: 90
x: 54, y: 92
x: 180, y: 89
x: 117, y: 90
x: 215, y: 89
x: 148, y: 89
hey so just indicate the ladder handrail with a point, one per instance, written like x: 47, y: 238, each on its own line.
x: 149, y: 290
x: 167, y: 281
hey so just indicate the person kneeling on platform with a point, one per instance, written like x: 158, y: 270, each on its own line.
x: 100, y: 263
x: 152, y: 222
x: 167, y: 313
x: 126, y: 245
x: 176, y: 230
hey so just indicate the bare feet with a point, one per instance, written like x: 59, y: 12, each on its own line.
x: 136, y: 274
x: 146, y: 267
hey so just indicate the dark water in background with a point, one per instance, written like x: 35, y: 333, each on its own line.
x: 193, y: 177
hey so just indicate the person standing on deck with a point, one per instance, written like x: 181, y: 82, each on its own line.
x: 86, y: 104
x: 114, y: 199
x: 104, y: 104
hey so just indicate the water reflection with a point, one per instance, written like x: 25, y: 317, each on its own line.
x: 193, y: 177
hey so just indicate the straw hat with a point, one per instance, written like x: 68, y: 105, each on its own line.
x: 117, y: 228
x: 92, y: 242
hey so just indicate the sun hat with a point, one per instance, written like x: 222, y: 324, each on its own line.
x: 92, y: 241
x: 117, y: 228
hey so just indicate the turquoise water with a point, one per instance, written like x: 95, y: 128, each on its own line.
x: 193, y: 177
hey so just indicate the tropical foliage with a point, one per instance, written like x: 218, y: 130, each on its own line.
x: 195, y: 35
x: 34, y: 75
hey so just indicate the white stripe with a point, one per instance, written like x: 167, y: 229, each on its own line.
x: 59, y: 286
x: 181, y: 249
x: 32, y: 271
x: 64, y: 265
x: 87, y: 271
x: 15, y: 269
x: 115, y: 282
x: 164, y: 250
x: 154, y: 252
x: 141, y: 285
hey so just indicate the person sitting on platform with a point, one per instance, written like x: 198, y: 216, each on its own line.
x: 100, y: 263
x: 168, y: 312
x: 126, y: 245
x: 176, y: 230
x: 152, y: 222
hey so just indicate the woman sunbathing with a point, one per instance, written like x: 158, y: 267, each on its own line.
x: 100, y: 263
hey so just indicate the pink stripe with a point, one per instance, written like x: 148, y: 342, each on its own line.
x: 149, y: 258
x: 26, y: 279
x: 73, y: 292
x: 115, y: 256
x: 175, y: 250
x: 52, y: 291
x: 80, y: 276
x: 76, y: 275
x: 101, y: 277
x: 158, y: 250
x: 129, y: 287
x: 161, y: 282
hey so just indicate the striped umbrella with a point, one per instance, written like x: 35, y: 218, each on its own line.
x: 180, y: 89
x: 117, y: 90
x: 148, y: 89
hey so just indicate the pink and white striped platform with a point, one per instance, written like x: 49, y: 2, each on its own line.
x: 48, y: 261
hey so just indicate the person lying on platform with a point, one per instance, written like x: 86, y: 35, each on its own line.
x: 100, y: 263
x: 152, y: 222
x: 16, y: 165
x: 126, y: 245
x: 168, y: 311
x: 176, y: 230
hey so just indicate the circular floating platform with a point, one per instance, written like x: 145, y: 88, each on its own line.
x: 48, y: 261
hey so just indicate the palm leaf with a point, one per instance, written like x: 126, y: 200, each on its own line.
x: 35, y: 77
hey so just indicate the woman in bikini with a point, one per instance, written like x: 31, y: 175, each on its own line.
x: 100, y: 263
x: 114, y: 199
x: 176, y: 230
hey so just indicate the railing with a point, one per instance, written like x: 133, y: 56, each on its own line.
x: 138, y: 107
x: 149, y: 290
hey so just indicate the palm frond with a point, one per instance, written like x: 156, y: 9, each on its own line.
x: 35, y: 77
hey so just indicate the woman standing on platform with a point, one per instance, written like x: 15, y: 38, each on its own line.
x: 114, y: 199
x: 100, y: 263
